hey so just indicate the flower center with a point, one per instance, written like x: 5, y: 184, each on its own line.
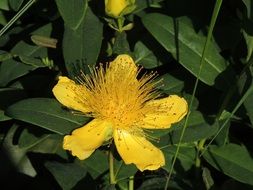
x: 115, y: 94
x: 124, y: 114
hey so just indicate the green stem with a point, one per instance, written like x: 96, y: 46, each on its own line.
x: 200, y: 147
x: 16, y: 17
x: 209, y: 35
x: 111, y: 167
x: 120, y: 21
x: 197, y: 161
x: 131, y: 183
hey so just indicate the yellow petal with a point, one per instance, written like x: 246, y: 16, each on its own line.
x: 137, y: 150
x: 70, y: 94
x: 123, y: 66
x: 165, y: 112
x: 115, y: 7
x: 83, y: 141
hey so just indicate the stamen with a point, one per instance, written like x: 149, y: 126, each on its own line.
x: 114, y: 93
x: 77, y: 113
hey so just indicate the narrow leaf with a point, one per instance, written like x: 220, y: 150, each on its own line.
x: 44, y: 41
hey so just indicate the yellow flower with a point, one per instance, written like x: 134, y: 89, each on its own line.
x: 115, y: 8
x: 123, y: 107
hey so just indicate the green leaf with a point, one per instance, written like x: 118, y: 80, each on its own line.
x: 25, y: 49
x: 223, y: 137
x: 9, y: 96
x: 248, y: 103
x: 28, y: 139
x: 66, y: 174
x: 72, y: 11
x: 195, y: 103
x: 123, y: 171
x: 140, y: 4
x: 145, y: 56
x: 3, y: 20
x: 97, y: 163
x: 249, y: 6
x: 12, y: 69
x: 186, y: 156
x: 186, y: 45
x: 235, y: 185
x: 232, y: 160
x: 158, y: 183
x: 198, y: 128
x: 121, y: 45
x: 3, y: 117
x: 46, y: 113
x: 15, y: 4
x: 249, y: 42
x: 81, y: 47
x: 207, y: 178
x: 17, y: 155
x: 4, y: 5
x: 38, y: 140
x: 4, y: 55
x: 44, y: 41
x: 170, y: 84
x: 245, y: 84
x: 36, y: 63
x: 50, y: 144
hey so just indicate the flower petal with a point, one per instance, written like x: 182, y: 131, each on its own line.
x: 123, y: 66
x: 70, y: 94
x: 137, y: 150
x: 165, y: 112
x: 115, y: 7
x: 83, y: 141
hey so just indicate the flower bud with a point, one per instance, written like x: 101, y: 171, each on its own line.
x: 117, y: 8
